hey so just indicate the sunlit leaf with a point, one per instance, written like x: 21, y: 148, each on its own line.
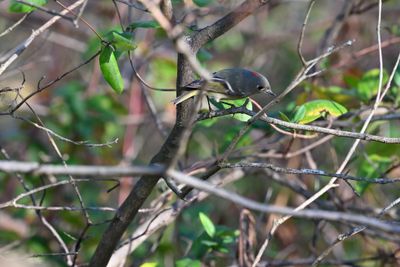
x: 110, y: 70
x: 149, y: 264
x: 17, y: 7
x: 208, y: 225
x: 315, y: 109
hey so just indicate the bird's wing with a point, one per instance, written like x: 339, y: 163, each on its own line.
x: 194, y: 85
x: 225, y: 83
x: 197, y: 84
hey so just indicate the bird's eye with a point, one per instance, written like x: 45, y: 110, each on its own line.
x: 260, y: 87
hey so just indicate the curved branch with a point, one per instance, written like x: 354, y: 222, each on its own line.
x: 226, y: 23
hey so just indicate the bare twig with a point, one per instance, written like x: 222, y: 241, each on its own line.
x: 309, y: 172
x: 303, y: 28
x: 41, y: 88
x: 21, y: 47
x: 35, y: 168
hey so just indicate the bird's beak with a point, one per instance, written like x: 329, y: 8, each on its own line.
x: 269, y: 91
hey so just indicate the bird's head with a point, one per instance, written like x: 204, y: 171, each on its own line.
x: 262, y: 84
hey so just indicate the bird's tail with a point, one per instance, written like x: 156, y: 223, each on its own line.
x: 185, y: 96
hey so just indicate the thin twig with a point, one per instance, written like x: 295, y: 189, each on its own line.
x: 303, y: 28
x: 21, y: 47
x: 12, y: 27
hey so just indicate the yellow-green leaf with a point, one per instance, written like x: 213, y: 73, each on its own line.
x: 315, y: 109
x: 208, y: 225
x: 110, y: 70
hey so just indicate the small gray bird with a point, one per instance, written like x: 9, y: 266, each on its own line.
x: 228, y: 84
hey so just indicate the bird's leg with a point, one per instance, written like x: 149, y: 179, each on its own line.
x: 209, y: 104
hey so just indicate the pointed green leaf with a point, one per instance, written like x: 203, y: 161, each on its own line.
x: 315, y: 109
x: 300, y: 113
x: 17, y: 7
x: 110, y: 70
x: 283, y: 116
x: 208, y: 225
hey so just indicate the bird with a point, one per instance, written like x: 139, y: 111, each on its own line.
x: 227, y: 84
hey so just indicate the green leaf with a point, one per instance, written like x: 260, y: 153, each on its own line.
x: 283, y: 116
x: 371, y: 168
x: 143, y: 24
x: 202, y: 3
x: 351, y: 80
x: 208, y: 225
x: 315, y: 109
x: 238, y: 103
x: 300, y: 113
x: 223, y: 250
x: 23, y: 8
x: 121, y: 41
x: 110, y: 70
x: 187, y: 262
x: 149, y: 264
x: 209, y: 243
x: 367, y: 86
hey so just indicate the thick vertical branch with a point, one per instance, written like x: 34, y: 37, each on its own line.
x: 142, y: 189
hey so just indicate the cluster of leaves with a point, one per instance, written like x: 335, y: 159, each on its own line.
x: 18, y: 7
x: 212, y: 240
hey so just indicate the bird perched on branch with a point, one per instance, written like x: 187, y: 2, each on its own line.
x: 228, y: 84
